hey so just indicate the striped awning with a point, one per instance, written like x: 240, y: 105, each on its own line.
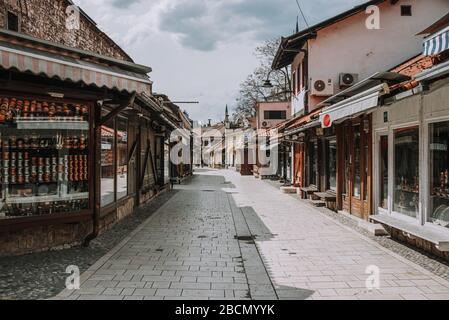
x: 437, y: 43
x: 354, y: 106
x: 65, y: 68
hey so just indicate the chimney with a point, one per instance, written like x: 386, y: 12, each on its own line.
x: 210, y: 123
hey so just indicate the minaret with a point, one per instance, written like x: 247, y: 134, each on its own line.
x: 227, y: 122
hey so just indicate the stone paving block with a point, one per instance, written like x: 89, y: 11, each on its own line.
x: 130, y: 284
x: 230, y: 286
x: 192, y: 285
x: 215, y: 279
x: 144, y: 292
x: 168, y: 292
x: 203, y: 293
x: 113, y: 291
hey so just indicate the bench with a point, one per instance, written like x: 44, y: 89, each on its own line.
x: 329, y: 198
x: 308, y: 192
x: 414, y: 231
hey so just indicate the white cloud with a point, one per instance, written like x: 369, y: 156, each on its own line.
x: 201, y: 49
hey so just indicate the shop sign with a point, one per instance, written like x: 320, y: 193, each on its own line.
x: 438, y: 147
x: 106, y: 146
x: 326, y: 121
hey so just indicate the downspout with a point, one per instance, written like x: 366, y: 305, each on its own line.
x: 306, y: 78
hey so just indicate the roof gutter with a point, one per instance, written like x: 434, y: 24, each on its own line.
x: 433, y: 73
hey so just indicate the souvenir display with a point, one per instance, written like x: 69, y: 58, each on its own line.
x: 44, y: 157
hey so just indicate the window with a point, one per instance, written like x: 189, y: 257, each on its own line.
x: 122, y: 158
x: 146, y: 160
x: 13, y: 22
x: 332, y: 165
x: 406, y: 11
x: 347, y: 161
x: 383, y: 165
x: 439, y: 170
x: 295, y: 81
x: 44, y: 157
x: 275, y: 115
x: 406, y: 162
x: 357, y: 161
x: 107, y: 163
x: 312, y: 164
x: 303, y: 74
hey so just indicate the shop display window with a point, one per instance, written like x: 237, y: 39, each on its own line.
x: 313, y: 163
x: 44, y: 149
x: 357, y: 162
x: 107, y: 163
x: 383, y: 172
x: 332, y: 165
x: 146, y: 160
x: 439, y: 174
x: 406, y: 159
x: 347, y: 161
x: 122, y: 158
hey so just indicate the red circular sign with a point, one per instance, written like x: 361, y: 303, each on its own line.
x: 327, y: 121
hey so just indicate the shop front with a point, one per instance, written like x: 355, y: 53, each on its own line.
x: 350, y: 113
x: 412, y: 168
x: 66, y: 135
x: 45, y: 156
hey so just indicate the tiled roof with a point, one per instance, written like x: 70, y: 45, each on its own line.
x: 412, y: 68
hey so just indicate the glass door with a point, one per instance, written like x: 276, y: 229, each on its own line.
x: 331, y: 172
x: 406, y: 177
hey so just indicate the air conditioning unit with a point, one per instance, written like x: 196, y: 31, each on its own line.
x: 322, y: 87
x: 266, y: 124
x: 348, y: 79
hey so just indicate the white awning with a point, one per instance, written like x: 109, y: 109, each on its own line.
x: 353, y: 106
x: 437, y: 43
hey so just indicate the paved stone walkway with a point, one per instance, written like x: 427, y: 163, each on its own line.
x: 223, y: 236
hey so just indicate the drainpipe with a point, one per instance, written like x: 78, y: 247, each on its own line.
x: 306, y: 77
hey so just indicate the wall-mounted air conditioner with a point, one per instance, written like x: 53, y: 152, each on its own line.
x: 322, y: 87
x: 266, y: 124
x: 348, y: 79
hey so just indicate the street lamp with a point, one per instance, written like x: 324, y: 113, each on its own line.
x: 269, y: 85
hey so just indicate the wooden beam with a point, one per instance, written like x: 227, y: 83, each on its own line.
x: 132, y: 151
x: 116, y: 111
x: 153, y: 167
x: 142, y: 177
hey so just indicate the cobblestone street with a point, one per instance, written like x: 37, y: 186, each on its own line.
x: 223, y: 236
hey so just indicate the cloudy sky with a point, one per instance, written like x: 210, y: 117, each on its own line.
x: 201, y: 50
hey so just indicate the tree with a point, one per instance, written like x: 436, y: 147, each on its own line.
x: 251, y: 90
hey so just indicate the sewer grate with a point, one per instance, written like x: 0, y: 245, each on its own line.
x: 245, y: 238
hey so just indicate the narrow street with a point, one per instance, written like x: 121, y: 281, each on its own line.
x: 218, y: 239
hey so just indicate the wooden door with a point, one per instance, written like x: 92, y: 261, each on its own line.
x: 357, y: 168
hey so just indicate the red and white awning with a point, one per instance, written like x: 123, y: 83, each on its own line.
x: 65, y: 68
x: 354, y: 106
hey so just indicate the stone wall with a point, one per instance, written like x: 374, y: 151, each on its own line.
x: 44, y: 238
x: 124, y: 210
x: 46, y: 19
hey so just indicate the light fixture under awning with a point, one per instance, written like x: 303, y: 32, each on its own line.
x: 65, y: 68
x: 437, y: 43
x: 353, y: 106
